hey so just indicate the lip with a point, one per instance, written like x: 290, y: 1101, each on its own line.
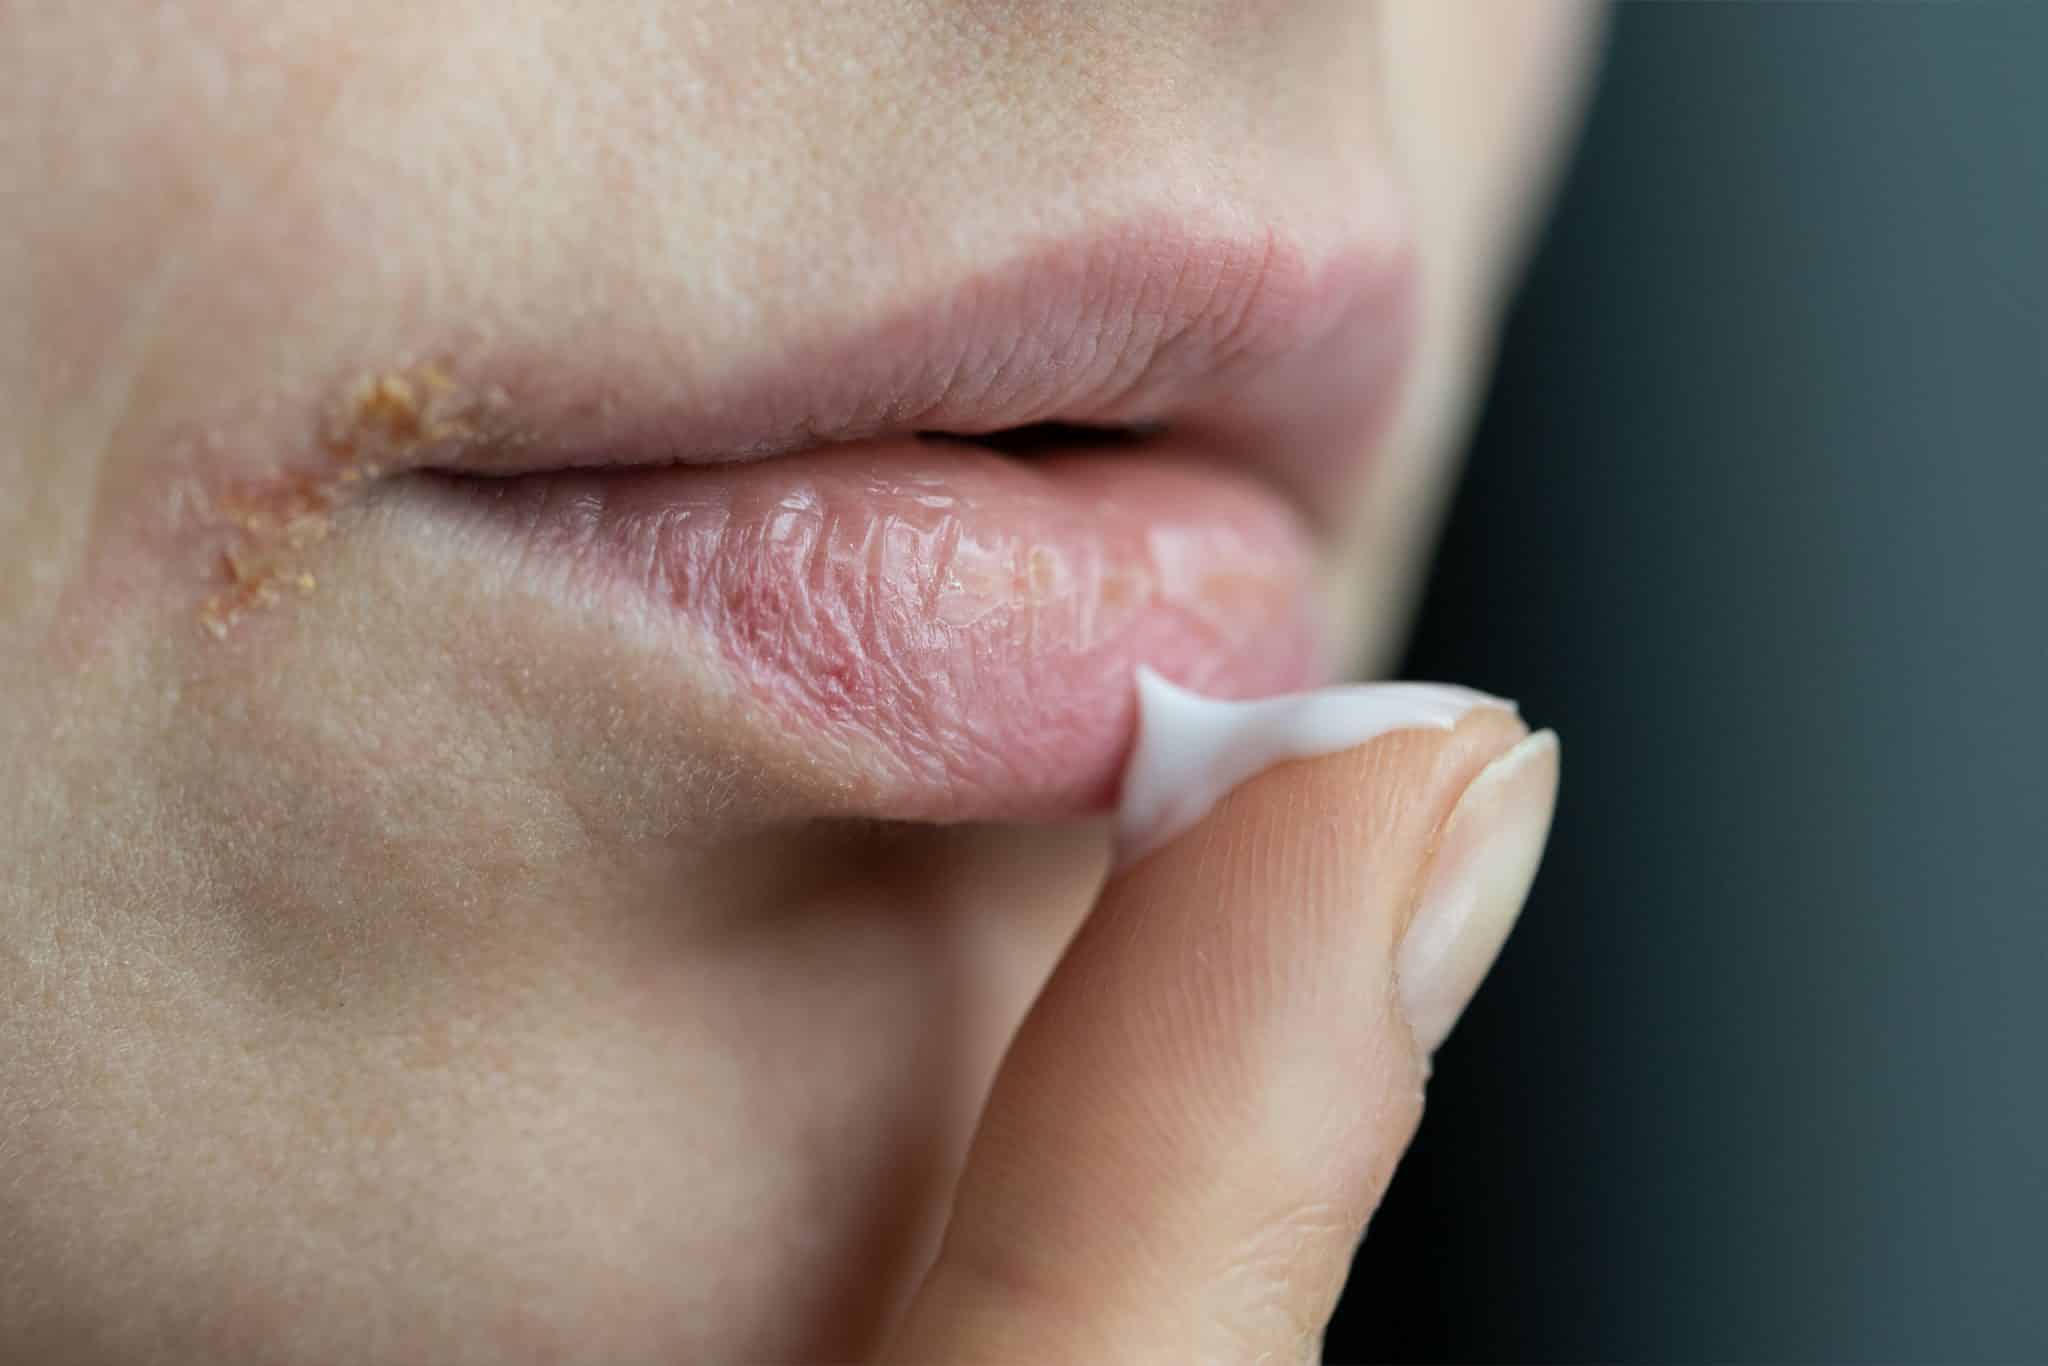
x: 962, y: 625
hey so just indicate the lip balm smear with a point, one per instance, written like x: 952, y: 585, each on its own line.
x: 1192, y: 750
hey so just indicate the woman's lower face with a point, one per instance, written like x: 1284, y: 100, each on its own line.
x: 571, y: 577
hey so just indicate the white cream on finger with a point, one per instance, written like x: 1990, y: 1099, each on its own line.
x: 1192, y: 750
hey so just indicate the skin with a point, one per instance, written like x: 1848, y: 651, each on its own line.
x: 391, y: 981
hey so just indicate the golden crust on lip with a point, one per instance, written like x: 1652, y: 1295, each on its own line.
x: 384, y: 420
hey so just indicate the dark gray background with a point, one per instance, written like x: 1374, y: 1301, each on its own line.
x: 1756, y: 519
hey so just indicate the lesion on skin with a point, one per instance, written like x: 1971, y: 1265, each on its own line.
x: 382, y: 421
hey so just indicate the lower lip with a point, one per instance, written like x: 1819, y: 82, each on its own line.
x: 967, y: 625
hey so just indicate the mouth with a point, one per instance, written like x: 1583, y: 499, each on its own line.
x: 940, y: 547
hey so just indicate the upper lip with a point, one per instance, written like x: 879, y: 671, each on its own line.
x: 1248, y: 349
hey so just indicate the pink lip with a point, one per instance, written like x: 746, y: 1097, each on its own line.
x: 966, y: 623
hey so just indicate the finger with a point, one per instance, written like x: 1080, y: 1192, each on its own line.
x: 1205, y: 1104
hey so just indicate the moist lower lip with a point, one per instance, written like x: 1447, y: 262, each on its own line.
x: 965, y: 623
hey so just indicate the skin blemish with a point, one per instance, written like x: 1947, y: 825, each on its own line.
x: 382, y: 421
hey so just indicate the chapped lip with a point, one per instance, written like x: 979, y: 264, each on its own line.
x: 964, y: 623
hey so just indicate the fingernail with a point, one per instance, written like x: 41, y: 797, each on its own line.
x: 1479, y: 876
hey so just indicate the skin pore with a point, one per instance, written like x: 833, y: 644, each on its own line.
x: 394, y: 966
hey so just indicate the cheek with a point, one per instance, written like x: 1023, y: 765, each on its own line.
x: 1482, y: 97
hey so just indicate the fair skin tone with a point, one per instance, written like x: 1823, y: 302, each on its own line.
x: 404, y: 955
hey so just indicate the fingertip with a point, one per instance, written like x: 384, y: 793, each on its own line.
x: 1211, y: 1093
